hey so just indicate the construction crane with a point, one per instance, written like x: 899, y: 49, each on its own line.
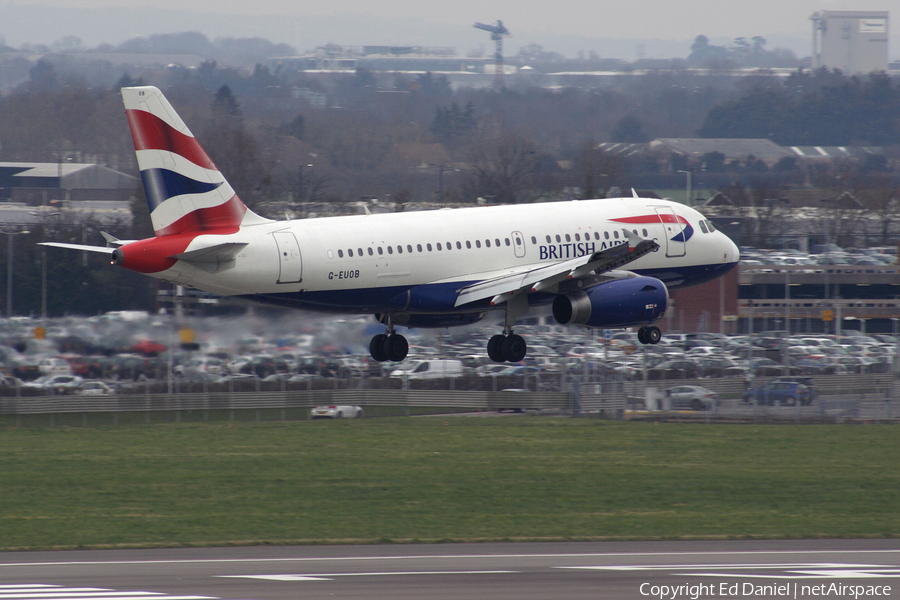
x: 497, y: 31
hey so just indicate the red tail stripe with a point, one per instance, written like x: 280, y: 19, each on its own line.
x: 225, y: 218
x: 152, y: 133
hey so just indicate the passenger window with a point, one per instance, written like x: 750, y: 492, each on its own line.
x: 606, y: 235
x: 380, y: 251
x: 428, y: 247
x: 497, y: 242
x: 330, y: 254
x: 350, y: 252
x: 409, y: 248
x: 360, y: 251
x: 439, y: 246
x: 533, y: 240
x: 644, y: 232
x: 478, y: 243
x: 390, y: 249
x: 340, y: 254
x: 548, y: 239
x: 468, y: 244
x: 507, y: 241
x: 458, y: 246
x: 558, y: 239
x: 449, y: 245
x: 419, y: 247
x: 616, y: 234
x: 399, y: 249
x: 568, y: 239
x: 577, y: 238
x: 370, y: 252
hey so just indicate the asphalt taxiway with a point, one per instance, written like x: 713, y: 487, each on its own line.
x: 490, y: 571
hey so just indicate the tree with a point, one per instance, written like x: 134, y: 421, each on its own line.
x: 504, y: 165
x: 629, y: 129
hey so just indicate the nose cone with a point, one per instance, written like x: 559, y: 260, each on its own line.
x: 732, y: 253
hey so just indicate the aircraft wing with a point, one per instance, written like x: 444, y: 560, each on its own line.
x: 502, y: 288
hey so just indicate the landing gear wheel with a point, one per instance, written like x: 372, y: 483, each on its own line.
x: 653, y: 334
x: 642, y: 335
x: 493, y: 348
x: 396, y: 347
x: 513, y: 348
x: 376, y: 347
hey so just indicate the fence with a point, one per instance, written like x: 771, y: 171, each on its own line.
x: 841, y: 397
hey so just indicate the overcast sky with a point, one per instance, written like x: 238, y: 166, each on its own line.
x: 408, y: 22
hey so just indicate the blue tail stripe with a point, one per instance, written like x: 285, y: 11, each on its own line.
x: 162, y: 184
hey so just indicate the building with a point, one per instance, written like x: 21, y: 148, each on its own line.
x: 851, y: 41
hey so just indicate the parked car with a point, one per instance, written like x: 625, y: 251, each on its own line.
x: 783, y: 392
x: 694, y: 397
x: 336, y: 412
x: 94, y: 388
x: 54, y: 384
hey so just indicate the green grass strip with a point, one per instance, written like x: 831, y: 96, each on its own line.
x: 443, y: 479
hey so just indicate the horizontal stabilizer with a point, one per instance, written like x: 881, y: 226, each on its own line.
x: 100, y: 249
x: 218, y: 253
x: 112, y: 240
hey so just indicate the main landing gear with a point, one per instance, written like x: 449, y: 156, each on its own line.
x: 389, y: 346
x: 507, y: 348
x: 649, y: 335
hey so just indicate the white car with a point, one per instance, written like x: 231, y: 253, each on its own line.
x: 94, y: 388
x: 336, y: 412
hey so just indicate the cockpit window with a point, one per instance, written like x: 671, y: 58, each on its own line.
x: 703, y: 226
x: 711, y: 226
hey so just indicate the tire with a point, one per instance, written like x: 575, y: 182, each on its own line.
x: 513, y: 348
x: 396, y: 347
x: 653, y: 335
x: 696, y: 405
x: 493, y: 349
x: 642, y: 335
x: 376, y: 348
x: 790, y: 401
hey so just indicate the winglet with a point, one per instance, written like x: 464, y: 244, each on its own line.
x: 633, y: 239
x: 634, y: 193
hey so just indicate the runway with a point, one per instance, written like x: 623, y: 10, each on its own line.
x: 607, y: 570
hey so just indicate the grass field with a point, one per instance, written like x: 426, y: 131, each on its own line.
x: 443, y: 479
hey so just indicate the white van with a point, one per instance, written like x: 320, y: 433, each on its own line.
x: 430, y: 368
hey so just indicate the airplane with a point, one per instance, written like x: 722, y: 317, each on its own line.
x: 606, y: 263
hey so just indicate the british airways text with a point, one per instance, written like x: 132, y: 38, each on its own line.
x: 572, y: 250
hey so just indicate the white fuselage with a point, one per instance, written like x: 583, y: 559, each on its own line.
x: 357, y: 263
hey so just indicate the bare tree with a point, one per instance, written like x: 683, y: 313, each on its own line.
x: 503, y: 163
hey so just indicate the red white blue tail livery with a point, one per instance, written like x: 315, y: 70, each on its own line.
x: 596, y: 263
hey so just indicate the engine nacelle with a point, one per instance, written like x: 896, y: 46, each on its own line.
x: 617, y: 303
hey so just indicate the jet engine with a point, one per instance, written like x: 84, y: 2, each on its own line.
x: 617, y: 303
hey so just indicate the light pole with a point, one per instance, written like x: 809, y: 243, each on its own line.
x: 9, y: 268
x: 688, y: 200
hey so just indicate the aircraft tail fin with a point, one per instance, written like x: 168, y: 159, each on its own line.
x: 185, y: 191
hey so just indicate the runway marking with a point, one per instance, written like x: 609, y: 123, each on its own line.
x: 788, y: 570
x: 441, y: 557
x: 332, y: 576
x: 39, y: 591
